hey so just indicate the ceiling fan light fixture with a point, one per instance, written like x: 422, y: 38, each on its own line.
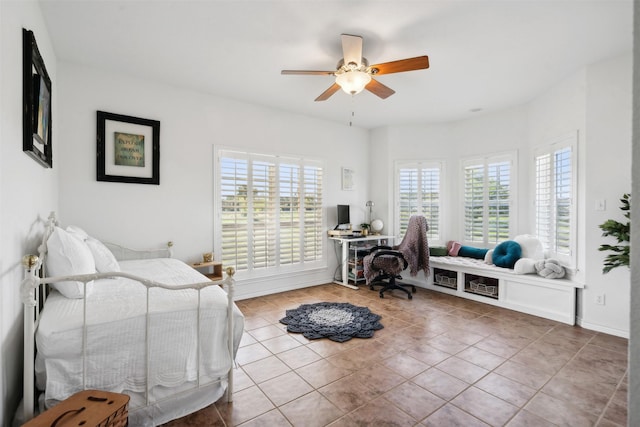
x: 353, y: 82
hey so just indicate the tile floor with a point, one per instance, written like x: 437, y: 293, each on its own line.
x: 439, y: 361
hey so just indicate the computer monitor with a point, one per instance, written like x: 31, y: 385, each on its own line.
x: 343, y: 216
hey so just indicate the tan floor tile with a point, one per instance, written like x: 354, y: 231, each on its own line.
x: 414, y: 400
x: 272, y: 418
x: 588, y: 399
x: 251, y: 353
x: 348, y: 393
x: 459, y: 368
x: 405, y: 365
x: 523, y: 374
x: 450, y: 416
x: 255, y: 322
x: 378, y: 378
x: 266, y: 332
x: 559, y: 412
x: 247, y: 339
x: 282, y: 343
x: 508, y: 390
x: 446, y: 344
x: 285, y: 388
x: 321, y: 373
x: 298, y: 357
x: 497, y: 347
x: 265, y: 369
x: 440, y: 383
x: 378, y: 412
x: 611, y: 342
x: 527, y: 419
x: 616, y: 412
x: 427, y: 354
x: 247, y: 404
x: 311, y: 410
x: 488, y: 408
x: 480, y: 357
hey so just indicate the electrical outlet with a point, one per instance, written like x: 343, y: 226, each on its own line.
x: 600, y: 299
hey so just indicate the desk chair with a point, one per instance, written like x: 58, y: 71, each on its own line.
x: 384, y: 264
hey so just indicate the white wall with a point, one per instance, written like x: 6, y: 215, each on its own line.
x: 608, y: 165
x: 28, y: 192
x: 181, y: 208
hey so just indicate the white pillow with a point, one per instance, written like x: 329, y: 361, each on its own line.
x: 488, y: 257
x: 525, y: 266
x: 77, y: 232
x: 68, y: 255
x: 531, y: 246
x: 105, y: 260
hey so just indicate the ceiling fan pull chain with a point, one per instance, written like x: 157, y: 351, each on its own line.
x: 353, y: 101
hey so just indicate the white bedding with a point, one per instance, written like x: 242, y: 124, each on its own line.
x: 116, y: 345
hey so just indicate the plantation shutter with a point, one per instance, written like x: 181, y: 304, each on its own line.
x: 487, y: 199
x: 234, y: 184
x: 418, y: 193
x: 554, y: 201
x: 474, y: 203
x: 499, y: 199
x: 312, y: 204
x: 271, y: 211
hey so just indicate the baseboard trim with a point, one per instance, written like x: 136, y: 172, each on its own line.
x: 600, y: 328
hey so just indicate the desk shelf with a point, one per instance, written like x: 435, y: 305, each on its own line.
x: 212, y: 269
x: 354, y: 249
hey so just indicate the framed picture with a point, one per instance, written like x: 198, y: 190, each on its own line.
x: 348, y: 178
x: 36, y: 100
x: 128, y: 149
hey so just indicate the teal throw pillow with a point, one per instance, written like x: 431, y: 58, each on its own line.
x: 471, y: 252
x: 506, y: 254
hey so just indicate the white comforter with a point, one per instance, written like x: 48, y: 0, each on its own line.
x: 117, y: 340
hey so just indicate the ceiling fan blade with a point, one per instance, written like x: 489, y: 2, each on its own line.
x: 327, y: 93
x: 410, y: 64
x: 352, y: 49
x: 307, y: 72
x: 379, y: 89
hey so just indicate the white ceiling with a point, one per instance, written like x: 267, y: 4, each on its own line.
x: 484, y: 54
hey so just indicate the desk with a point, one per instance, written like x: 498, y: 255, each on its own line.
x: 356, y: 244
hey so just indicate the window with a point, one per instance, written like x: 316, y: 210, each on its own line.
x: 487, y: 199
x: 418, y: 193
x: 554, y: 199
x: 270, y: 210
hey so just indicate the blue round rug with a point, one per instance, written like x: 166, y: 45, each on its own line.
x: 338, y: 321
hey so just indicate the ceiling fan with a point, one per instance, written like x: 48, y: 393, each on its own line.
x: 353, y: 72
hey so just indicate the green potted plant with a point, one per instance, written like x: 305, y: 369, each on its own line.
x: 365, y: 228
x: 621, y: 231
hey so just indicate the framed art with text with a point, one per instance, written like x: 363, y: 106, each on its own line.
x: 128, y: 149
x: 36, y: 103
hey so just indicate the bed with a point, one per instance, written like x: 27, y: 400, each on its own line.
x: 152, y: 328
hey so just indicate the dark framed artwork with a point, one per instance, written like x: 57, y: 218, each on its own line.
x: 36, y: 101
x: 128, y: 149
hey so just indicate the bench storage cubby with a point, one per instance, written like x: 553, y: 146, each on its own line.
x: 469, y: 278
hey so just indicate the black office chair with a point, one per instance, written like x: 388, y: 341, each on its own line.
x: 384, y: 264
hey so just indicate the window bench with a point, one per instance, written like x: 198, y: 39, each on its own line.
x: 470, y: 278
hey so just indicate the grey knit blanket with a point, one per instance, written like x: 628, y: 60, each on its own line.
x: 414, y: 248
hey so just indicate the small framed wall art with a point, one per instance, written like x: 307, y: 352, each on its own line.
x: 348, y: 175
x: 128, y: 149
x: 36, y: 101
